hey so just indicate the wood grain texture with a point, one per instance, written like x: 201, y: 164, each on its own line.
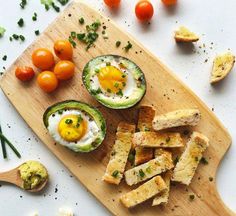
x: 164, y: 91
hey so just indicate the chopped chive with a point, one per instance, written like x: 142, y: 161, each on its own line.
x: 55, y: 7
x: 81, y: 20
x: 109, y: 90
x: 148, y: 169
x: 4, y: 58
x: 141, y: 173
x: 72, y: 41
x: 115, y: 173
x: 34, y: 17
x: 73, y: 34
x: 46, y: 7
x: 3, y: 144
x: 68, y: 121
x: 23, y: 3
x: 63, y: 2
x: 116, y: 85
x: 20, y: 22
x: 15, y: 36
x: 118, y: 43
x: 2, y: 31
x: 37, y: 32
x: 22, y: 37
x: 10, y: 145
x: 119, y: 93
x: 128, y: 46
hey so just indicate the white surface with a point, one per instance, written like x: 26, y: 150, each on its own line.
x: 214, y: 20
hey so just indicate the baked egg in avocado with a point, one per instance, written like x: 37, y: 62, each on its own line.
x: 114, y: 81
x: 75, y: 125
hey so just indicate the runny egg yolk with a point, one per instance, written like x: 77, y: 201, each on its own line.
x: 111, y: 79
x: 72, y: 128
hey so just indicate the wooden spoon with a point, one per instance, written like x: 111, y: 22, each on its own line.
x: 13, y: 177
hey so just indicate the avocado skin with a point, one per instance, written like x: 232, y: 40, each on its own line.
x: 142, y: 80
x: 92, y: 111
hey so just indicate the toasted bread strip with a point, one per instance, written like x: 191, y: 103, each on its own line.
x: 185, y: 35
x: 146, y: 115
x: 119, y: 154
x: 143, y: 192
x: 149, y: 169
x: 176, y: 118
x: 155, y: 140
x: 189, y: 160
x: 222, y: 65
x: 163, y: 197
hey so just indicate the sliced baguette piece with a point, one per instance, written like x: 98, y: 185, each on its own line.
x: 222, y: 65
x: 155, y: 140
x: 189, y: 160
x: 149, y: 169
x: 143, y: 192
x: 163, y: 197
x: 181, y: 117
x: 146, y: 115
x: 183, y: 34
x: 119, y: 154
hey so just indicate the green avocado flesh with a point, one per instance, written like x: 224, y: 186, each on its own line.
x: 131, y: 94
x: 92, y: 112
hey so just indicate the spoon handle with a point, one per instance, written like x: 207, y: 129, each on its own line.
x: 11, y: 176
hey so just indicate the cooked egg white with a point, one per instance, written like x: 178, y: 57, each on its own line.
x: 72, y: 128
x: 111, y: 78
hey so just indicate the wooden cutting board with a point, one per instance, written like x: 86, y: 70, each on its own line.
x: 164, y: 90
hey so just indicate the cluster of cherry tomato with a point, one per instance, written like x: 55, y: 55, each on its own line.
x: 43, y: 59
x: 143, y: 9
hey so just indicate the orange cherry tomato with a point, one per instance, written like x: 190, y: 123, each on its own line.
x: 144, y: 10
x: 169, y: 2
x: 24, y: 73
x: 64, y: 70
x: 112, y: 3
x: 63, y: 49
x: 43, y: 59
x: 47, y: 81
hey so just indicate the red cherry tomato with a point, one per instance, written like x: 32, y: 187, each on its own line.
x: 24, y: 73
x: 169, y: 2
x: 144, y: 10
x: 112, y: 3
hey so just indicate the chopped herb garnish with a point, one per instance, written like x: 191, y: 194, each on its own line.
x: 81, y: 20
x: 68, y: 121
x: 63, y: 2
x: 80, y: 119
x: 72, y: 42
x: 81, y: 37
x: 109, y: 90
x: 131, y: 158
x: 141, y: 173
x: 118, y: 43
x: 37, y: 32
x: 124, y: 84
x: 210, y: 179
x: 22, y: 37
x: 128, y: 47
x: 2, y: 31
x: 123, y: 75
x: 97, y: 70
x: 116, y: 85
x: 119, y: 93
x: 73, y: 34
x: 20, y: 22
x: 4, y: 58
x: 60, y: 112
x: 148, y: 169
x: 23, y: 3
x: 191, y: 197
x: 3, y: 144
x: 95, y: 92
x: 94, y: 26
x: 15, y: 36
x: 55, y: 7
x: 146, y: 129
x: 204, y: 161
x: 34, y: 17
x: 108, y: 63
x: 115, y: 173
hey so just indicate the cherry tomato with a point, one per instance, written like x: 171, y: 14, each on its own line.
x: 63, y: 49
x: 112, y: 3
x: 64, y: 70
x: 144, y: 10
x: 24, y: 73
x: 43, y: 59
x: 169, y: 2
x: 47, y: 81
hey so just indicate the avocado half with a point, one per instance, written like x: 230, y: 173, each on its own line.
x: 94, y: 113
x: 138, y: 91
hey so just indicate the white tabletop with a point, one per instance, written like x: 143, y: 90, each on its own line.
x: 214, y: 20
